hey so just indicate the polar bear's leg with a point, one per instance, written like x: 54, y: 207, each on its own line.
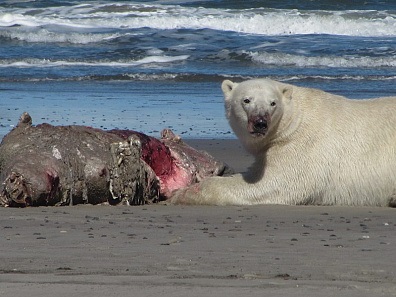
x: 232, y: 190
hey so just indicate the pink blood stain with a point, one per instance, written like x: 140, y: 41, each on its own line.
x: 158, y: 156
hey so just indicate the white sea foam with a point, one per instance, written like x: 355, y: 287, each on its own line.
x: 46, y: 36
x: 282, y: 59
x: 28, y: 63
x: 337, y: 77
x: 262, y: 21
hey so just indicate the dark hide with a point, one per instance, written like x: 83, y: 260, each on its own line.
x: 62, y: 165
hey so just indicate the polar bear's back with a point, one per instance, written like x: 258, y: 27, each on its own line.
x: 365, y: 116
x: 350, y: 147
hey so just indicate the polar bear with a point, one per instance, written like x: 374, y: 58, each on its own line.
x: 310, y: 147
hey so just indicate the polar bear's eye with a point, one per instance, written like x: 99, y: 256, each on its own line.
x: 273, y: 103
x: 246, y: 100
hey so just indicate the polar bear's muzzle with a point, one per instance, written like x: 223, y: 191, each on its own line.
x: 258, y: 124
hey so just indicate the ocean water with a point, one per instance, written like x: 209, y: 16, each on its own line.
x: 149, y: 65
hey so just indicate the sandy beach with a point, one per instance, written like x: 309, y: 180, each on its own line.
x: 198, y: 251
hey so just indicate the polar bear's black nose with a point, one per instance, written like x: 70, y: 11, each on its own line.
x: 260, y: 125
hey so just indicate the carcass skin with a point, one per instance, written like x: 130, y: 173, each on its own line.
x: 64, y: 165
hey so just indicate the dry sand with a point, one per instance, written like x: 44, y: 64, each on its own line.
x: 159, y: 250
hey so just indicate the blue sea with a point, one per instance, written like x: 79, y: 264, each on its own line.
x: 149, y: 65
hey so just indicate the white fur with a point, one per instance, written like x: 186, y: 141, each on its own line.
x: 319, y: 149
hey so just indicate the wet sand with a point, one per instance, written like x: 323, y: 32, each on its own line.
x: 229, y: 151
x: 162, y: 250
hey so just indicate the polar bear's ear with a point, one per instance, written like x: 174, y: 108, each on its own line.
x: 227, y: 86
x: 287, y: 92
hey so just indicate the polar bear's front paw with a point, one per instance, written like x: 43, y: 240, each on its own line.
x: 188, y: 195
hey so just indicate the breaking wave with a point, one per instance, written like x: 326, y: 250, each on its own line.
x: 283, y: 59
x: 91, y: 22
x: 262, y: 58
x: 28, y: 63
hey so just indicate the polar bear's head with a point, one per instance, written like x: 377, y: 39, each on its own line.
x: 254, y: 108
